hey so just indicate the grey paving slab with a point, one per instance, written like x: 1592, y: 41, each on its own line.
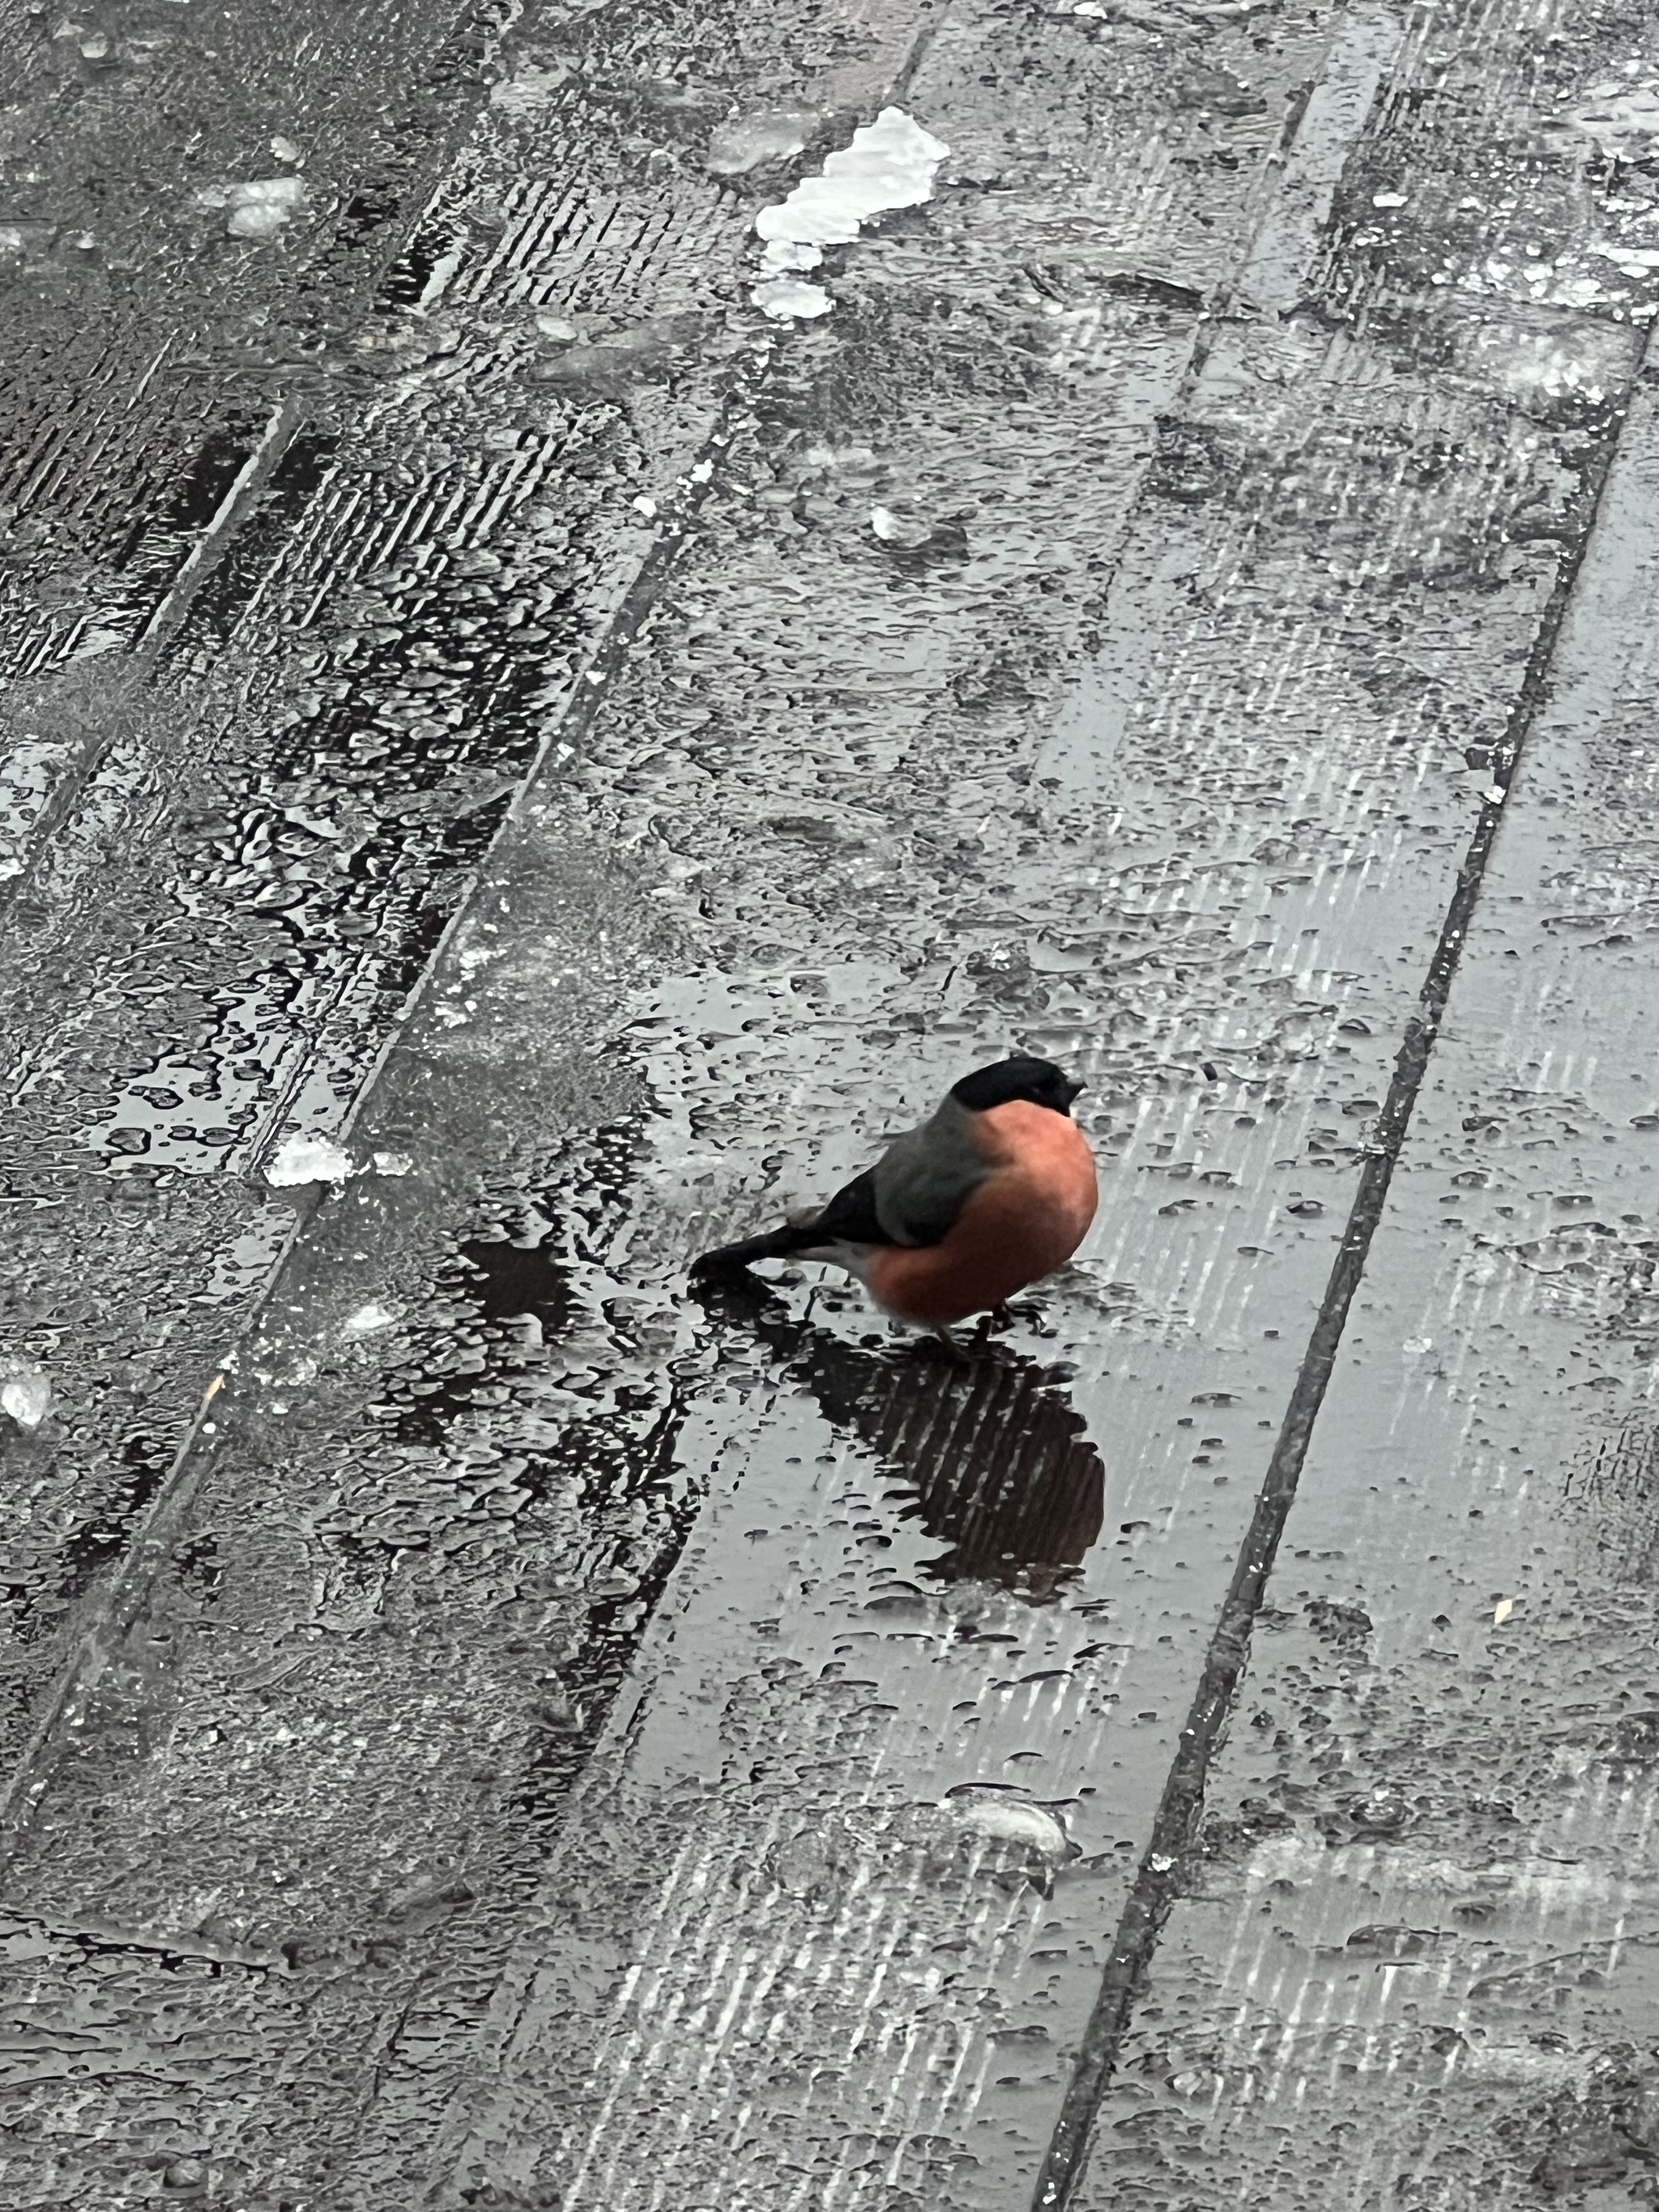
x: 1412, y: 1963
x: 1484, y: 1431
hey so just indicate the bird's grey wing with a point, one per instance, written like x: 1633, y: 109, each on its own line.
x: 924, y: 1177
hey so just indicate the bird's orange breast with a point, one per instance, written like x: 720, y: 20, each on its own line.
x: 1025, y: 1220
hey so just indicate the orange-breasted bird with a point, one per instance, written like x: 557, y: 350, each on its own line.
x: 993, y: 1191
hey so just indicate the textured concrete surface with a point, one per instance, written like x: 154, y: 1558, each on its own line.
x: 500, y: 730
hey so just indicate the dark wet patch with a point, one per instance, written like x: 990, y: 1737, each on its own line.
x: 622, y: 1474
x: 102, y: 1537
x: 372, y: 203
x: 507, y: 1283
x: 1615, y: 1487
x: 194, y: 503
x: 1603, y: 2132
x: 864, y: 372
x: 288, y: 491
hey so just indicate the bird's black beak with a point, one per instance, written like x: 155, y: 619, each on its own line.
x: 1074, y: 1091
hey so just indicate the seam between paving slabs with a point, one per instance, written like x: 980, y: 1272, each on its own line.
x: 144, y: 656
x: 1175, y: 1829
x: 124, y: 1598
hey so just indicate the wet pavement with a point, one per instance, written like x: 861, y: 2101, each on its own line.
x: 521, y: 758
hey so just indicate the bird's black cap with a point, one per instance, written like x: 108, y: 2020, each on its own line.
x: 1019, y: 1076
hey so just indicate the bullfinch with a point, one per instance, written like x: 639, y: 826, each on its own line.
x: 993, y: 1191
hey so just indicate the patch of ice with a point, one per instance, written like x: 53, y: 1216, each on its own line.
x: 1008, y: 1816
x: 737, y: 147
x: 1627, y: 115
x: 1578, y: 292
x: 306, y: 1159
x: 899, y: 529
x: 529, y: 89
x: 392, y: 1163
x: 258, y: 209
x: 1534, y: 366
x: 26, y: 1395
x: 890, y: 163
x: 28, y: 775
x: 786, y: 299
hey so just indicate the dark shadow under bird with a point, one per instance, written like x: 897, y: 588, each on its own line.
x: 987, y: 1452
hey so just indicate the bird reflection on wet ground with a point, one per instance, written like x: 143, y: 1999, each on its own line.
x: 984, y: 1446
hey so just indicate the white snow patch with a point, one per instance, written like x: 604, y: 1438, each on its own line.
x: 787, y: 299
x: 26, y: 1395
x: 258, y: 209
x: 890, y: 164
x: 306, y: 1159
x: 1630, y: 260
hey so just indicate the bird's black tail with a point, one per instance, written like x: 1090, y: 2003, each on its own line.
x: 850, y: 1217
x: 778, y: 1245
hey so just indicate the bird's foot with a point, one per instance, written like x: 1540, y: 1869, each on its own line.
x: 992, y: 1320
